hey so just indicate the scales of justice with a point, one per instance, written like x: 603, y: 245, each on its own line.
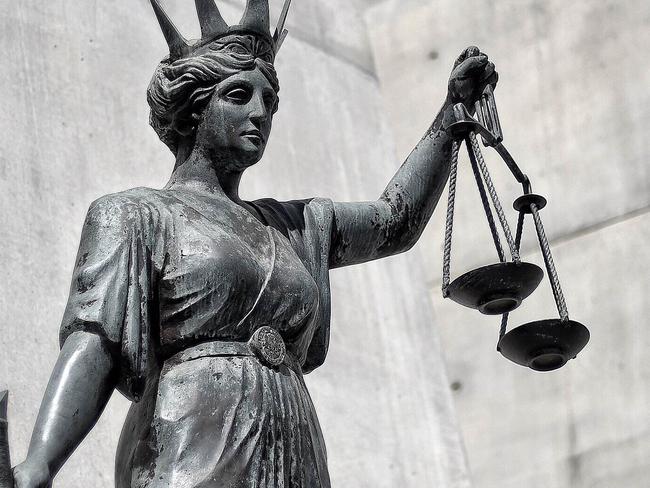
x: 493, y: 289
x: 498, y: 289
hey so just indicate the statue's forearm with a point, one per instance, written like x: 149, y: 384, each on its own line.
x: 78, y: 390
x: 393, y: 223
x: 414, y: 191
x: 364, y: 231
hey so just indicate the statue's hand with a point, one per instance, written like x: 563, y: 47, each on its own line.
x: 471, y: 74
x: 32, y: 474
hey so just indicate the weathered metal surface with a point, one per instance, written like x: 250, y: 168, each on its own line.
x: 6, y: 478
x: 268, y: 344
x: 162, y: 271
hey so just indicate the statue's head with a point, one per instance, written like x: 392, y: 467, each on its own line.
x: 218, y: 94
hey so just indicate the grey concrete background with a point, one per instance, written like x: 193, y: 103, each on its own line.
x: 74, y: 127
x: 574, y: 101
x: 365, y: 77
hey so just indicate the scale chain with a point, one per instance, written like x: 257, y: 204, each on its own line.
x: 520, y: 231
x: 486, y: 205
x: 504, y: 327
x: 550, y: 265
x: 449, y: 224
x: 504, y: 318
x: 495, y: 198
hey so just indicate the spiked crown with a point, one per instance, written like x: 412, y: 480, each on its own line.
x: 256, y: 21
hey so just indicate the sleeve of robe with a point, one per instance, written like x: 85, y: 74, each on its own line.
x: 112, y: 287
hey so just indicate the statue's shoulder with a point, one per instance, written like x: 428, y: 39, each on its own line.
x: 127, y: 204
x: 133, y: 197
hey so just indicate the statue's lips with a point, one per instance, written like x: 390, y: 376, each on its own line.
x: 254, y: 135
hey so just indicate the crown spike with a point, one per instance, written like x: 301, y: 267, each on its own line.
x: 280, y: 39
x: 279, y: 30
x: 212, y: 23
x: 256, y: 16
x: 178, y: 46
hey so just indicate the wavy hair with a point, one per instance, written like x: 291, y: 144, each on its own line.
x: 182, y: 88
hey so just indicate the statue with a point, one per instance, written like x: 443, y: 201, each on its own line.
x: 206, y: 310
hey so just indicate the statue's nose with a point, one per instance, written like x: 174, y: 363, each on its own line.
x: 259, y: 112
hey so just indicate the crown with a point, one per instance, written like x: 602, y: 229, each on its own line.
x: 256, y: 21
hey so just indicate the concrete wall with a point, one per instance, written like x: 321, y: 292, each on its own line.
x: 74, y: 126
x: 575, y: 108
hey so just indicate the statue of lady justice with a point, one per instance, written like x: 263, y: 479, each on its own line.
x: 206, y: 310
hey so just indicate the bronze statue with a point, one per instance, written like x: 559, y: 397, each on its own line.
x: 206, y: 310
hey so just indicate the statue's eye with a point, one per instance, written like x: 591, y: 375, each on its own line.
x: 239, y: 94
x: 271, y: 102
x: 239, y: 49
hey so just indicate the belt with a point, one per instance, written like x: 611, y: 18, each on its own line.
x: 266, y: 344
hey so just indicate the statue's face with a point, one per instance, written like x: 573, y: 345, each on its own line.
x: 236, y: 124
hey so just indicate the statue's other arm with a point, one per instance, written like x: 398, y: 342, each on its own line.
x: 364, y: 231
x: 79, y: 388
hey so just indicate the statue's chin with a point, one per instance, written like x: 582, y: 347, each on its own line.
x: 245, y: 159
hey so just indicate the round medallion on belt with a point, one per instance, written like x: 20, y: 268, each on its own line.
x: 268, y: 345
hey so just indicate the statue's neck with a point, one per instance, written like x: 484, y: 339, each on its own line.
x: 201, y: 172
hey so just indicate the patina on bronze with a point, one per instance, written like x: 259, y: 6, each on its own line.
x: 268, y: 345
x: 206, y: 310
x: 498, y: 289
x: 6, y: 480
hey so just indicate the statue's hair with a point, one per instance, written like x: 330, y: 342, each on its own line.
x: 184, y: 87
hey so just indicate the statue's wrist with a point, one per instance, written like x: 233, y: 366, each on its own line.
x: 32, y: 463
x: 447, y: 114
x: 34, y: 470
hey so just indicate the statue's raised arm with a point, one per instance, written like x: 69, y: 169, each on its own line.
x: 364, y: 231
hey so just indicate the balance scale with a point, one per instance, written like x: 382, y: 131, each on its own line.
x: 500, y: 288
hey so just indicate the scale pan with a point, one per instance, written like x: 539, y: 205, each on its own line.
x: 544, y: 345
x: 497, y: 288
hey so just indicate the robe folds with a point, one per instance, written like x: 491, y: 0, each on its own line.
x: 161, y: 271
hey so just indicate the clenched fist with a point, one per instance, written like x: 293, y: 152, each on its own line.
x: 471, y: 74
